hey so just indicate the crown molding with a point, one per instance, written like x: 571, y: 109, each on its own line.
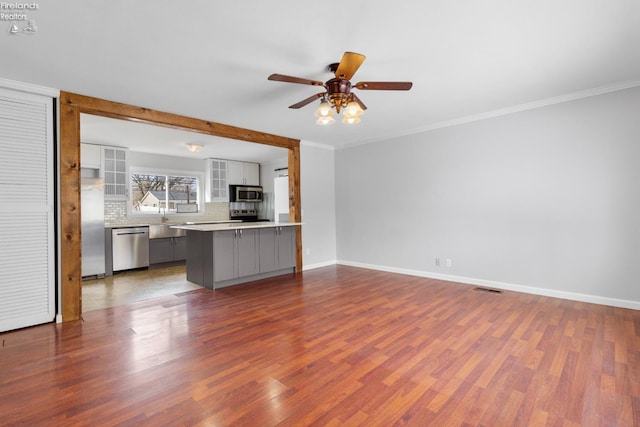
x: 307, y: 143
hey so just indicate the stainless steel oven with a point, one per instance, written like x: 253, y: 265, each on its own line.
x: 244, y: 193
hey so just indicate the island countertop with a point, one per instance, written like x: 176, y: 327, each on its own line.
x: 234, y: 226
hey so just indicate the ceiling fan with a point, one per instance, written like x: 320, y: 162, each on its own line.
x: 337, y: 94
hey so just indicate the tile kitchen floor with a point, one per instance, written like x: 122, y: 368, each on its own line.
x: 136, y: 285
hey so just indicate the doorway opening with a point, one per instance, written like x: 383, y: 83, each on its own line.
x: 148, y: 147
x: 71, y: 106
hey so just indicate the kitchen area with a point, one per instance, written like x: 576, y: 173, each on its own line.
x: 140, y: 198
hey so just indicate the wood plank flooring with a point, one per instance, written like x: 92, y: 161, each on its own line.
x: 336, y: 346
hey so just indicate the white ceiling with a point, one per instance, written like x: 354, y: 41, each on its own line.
x: 211, y: 60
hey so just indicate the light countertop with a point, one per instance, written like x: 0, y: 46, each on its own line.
x: 235, y: 226
x: 169, y: 224
x: 125, y: 225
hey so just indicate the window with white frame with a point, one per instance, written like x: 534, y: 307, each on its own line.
x: 164, y: 193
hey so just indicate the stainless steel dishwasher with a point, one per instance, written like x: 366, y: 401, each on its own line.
x: 130, y: 247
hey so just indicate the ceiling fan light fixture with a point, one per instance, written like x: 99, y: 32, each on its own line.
x: 194, y: 148
x: 351, y: 120
x: 325, y: 120
x: 338, y: 95
x: 353, y: 109
x: 324, y: 109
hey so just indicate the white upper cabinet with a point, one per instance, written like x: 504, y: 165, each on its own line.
x: 252, y: 173
x: 243, y: 173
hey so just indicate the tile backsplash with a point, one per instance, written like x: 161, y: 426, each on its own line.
x: 115, y: 214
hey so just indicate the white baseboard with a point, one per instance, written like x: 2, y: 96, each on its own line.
x: 318, y: 265
x: 573, y: 296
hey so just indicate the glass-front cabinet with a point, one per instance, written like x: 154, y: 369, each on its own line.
x: 219, y: 191
x: 116, y: 173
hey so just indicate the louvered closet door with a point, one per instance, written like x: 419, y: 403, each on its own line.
x: 27, y: 269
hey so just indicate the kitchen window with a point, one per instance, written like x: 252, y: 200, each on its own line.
x: 164, y: 193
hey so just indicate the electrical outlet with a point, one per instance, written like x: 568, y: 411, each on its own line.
x: 449, y: 263
x: 437, y: 262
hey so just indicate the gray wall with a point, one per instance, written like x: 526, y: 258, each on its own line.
x: 545, y: 200
x: 317, y: 188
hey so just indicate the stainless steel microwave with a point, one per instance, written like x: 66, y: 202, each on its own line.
x: 244, y: 193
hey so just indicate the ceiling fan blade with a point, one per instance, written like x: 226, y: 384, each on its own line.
x: 290, y: 79
x: 383, y: 85
x: 307, y: 101
x: 360, y: 103
x: 349, y: 64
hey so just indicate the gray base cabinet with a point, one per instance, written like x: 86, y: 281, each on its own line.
x: 216, y: 259
x: 179, y: 248
x: 234, y: 254
x: 277, y: 248
x: 169, y: 249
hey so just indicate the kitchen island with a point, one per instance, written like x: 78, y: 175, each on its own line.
x: 220, y: 255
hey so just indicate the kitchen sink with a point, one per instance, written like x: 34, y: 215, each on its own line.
x: 161, y: 231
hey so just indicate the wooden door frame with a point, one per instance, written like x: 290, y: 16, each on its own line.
x: 71, y: 106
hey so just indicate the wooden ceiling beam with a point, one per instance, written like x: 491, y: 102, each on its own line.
x: 116, y: 110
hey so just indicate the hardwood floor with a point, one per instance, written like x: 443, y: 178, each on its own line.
x: 337, y: 346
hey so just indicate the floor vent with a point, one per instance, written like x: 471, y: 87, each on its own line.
x: 495, y: 291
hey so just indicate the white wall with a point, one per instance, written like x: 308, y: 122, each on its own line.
x: 162, y: 162
x: 317, y: 188
x: 267, y: 172
x: 544, y: 201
